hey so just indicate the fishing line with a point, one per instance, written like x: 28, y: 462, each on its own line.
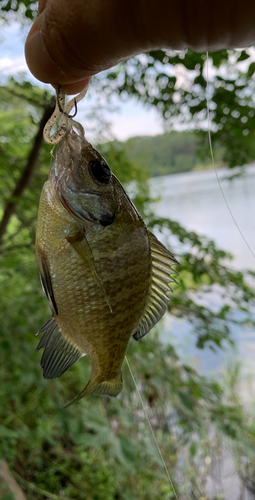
x: 211, y: 151
x: 151, y: 429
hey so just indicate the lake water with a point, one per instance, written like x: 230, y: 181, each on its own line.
x: 195, y: 200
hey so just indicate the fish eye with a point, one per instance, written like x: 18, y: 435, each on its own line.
x: 100, y: 171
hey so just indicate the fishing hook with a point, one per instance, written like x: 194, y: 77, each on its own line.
x: 62, y: 113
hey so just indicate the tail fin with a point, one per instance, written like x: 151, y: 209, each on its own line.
x: 95, y: 388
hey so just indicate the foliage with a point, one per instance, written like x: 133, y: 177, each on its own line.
x: 24, y: 9
x: 176, y: 84
x: 21, y: 109
x: 164, y: 154
x: 102, y: 448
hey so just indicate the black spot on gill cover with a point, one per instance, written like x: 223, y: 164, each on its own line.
x: 107, y: 220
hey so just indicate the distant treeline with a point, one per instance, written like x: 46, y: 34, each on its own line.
x: 169, y: 153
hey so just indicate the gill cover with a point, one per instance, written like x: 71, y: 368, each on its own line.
x: 82, y: 181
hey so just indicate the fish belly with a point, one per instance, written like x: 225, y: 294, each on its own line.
x: 122, y: 262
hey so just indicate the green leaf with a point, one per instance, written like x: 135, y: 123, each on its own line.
x: 243, y: 56
x: 251, y: 70
x: 7, y: 433
x: 8, y: 496
x: 193, y: 449
x: 185, y: 400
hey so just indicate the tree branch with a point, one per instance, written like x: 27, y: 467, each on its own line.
x: 14, y: 247
x: 7, y: 479
x: 27, y: 172
x: 31, y: 100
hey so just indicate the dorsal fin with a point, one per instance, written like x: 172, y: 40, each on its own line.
x: 161, y: 270
x: 59, y: 354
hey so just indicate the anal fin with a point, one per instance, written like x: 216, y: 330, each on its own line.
x: 59, y: 354
x: 106, y: 388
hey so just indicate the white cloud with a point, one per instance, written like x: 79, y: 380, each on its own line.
x: 11, y: 66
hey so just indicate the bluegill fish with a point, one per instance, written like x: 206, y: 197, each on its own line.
x: 105, y: 275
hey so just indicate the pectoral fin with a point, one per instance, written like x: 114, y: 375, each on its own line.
x: 80, y: 244
x: 59, y: 354
x: 46, y: 282
x: 161, y: 270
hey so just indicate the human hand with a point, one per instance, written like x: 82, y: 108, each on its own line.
x: 71, y: 41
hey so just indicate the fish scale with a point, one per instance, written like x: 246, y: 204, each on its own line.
x: 105, y: 275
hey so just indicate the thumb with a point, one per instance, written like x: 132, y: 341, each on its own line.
x: 47, y: 65
x: 71, y: 41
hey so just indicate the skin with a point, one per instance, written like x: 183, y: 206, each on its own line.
x: 71, y: 41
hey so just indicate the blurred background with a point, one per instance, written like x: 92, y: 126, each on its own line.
x: 195, y: 370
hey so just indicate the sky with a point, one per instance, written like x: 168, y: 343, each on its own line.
x: 130, y: 119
